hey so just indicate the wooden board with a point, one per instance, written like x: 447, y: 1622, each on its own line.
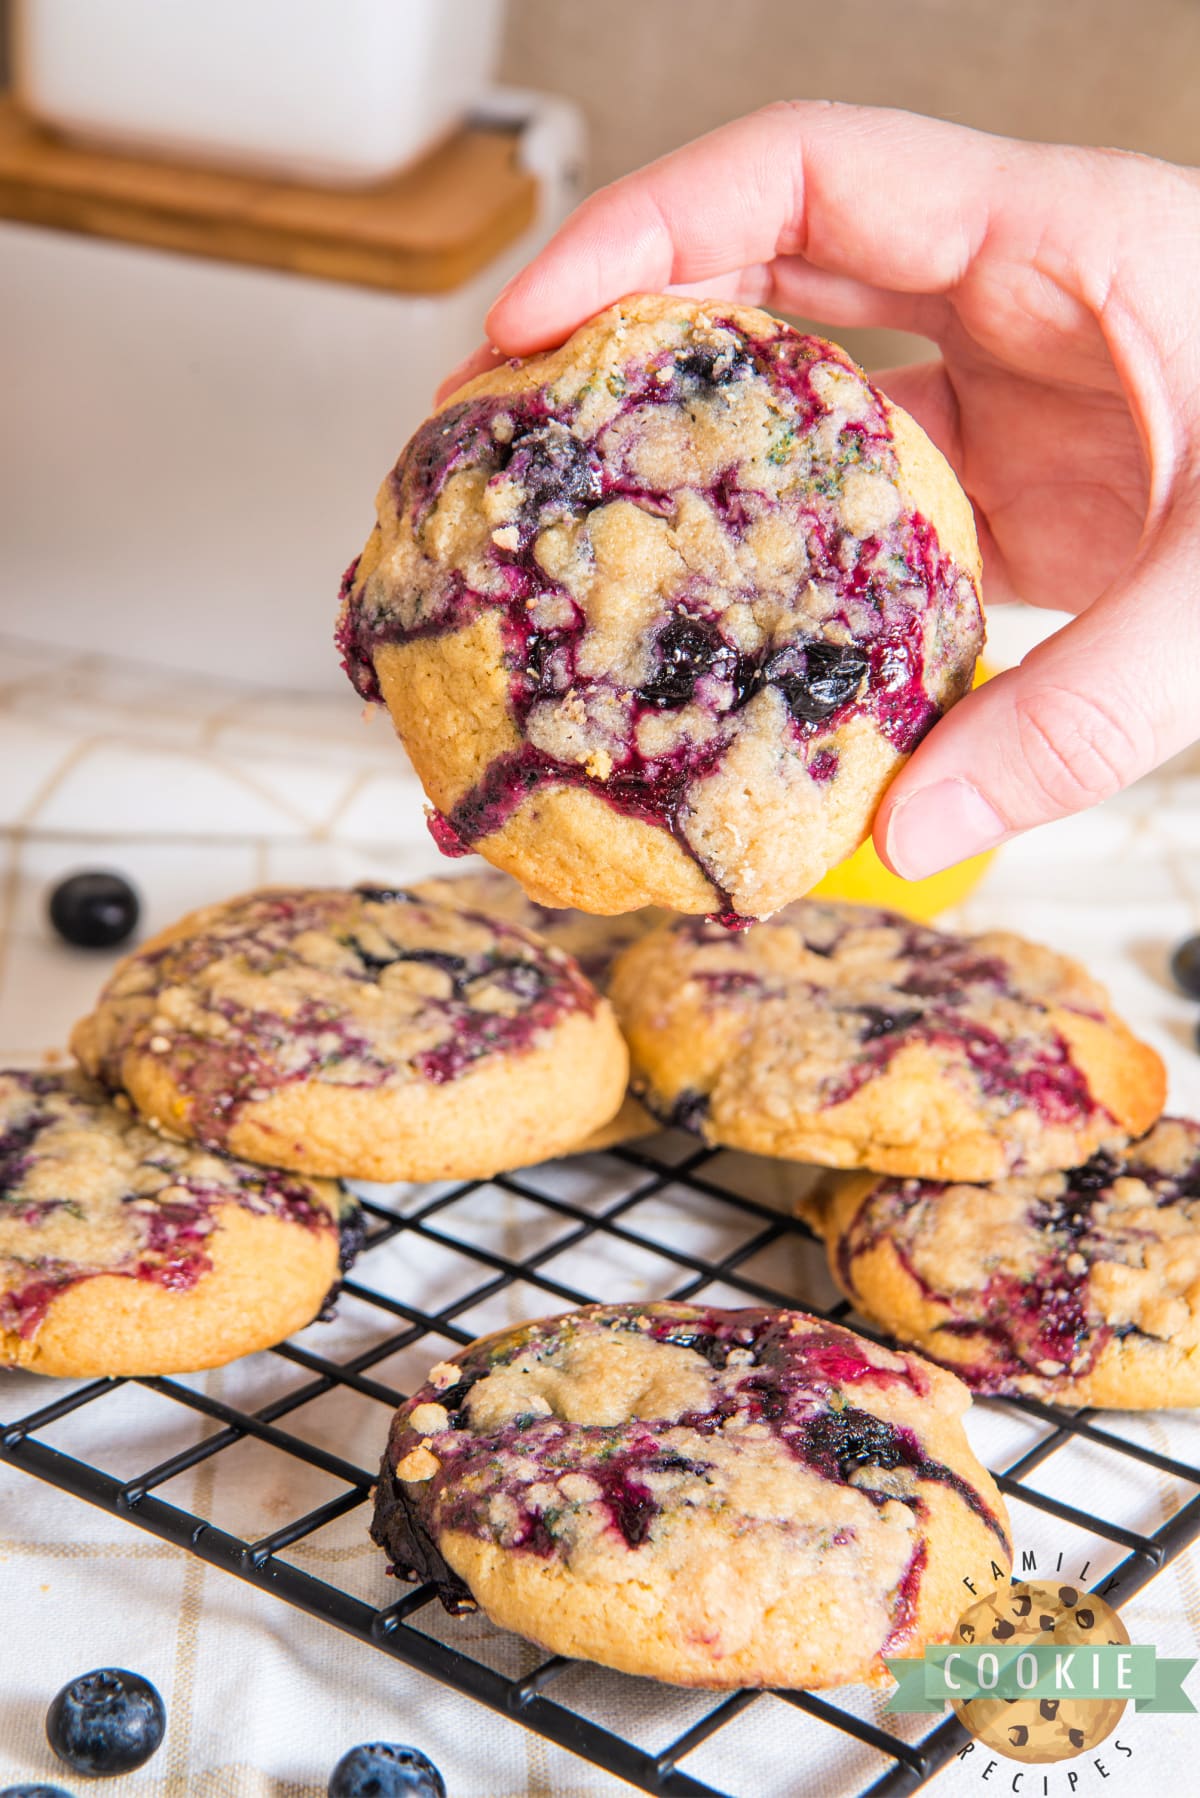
x: 422, y: 231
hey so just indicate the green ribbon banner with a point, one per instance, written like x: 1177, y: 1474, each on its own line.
x: 1040, y: 1670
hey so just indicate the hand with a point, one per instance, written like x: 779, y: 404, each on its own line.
x: 1060, y: 285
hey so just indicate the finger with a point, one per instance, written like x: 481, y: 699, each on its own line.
x: 1104, y: 700
x: 797, y: 285
x: 898, y: 202
x: 477, y: 363
x: 790, y: 284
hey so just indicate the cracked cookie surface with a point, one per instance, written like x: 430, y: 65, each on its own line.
x: 124, y: 1253
x: 659, y: 614
x: 362, y: 1033
x: 1080, y: 1287
x: 853, y: 1037
x: 714, y: 1498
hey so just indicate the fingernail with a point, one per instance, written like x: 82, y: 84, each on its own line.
x: 939, y: 825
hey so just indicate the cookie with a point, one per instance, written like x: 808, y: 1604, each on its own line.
x: 712, y: 1498
x: 659, y: 614
x: 123, y: 1253
x: 594, y: 941
x: 1080, y: 1287
x: 364, y: 1034
x: 854, y: 1037
x: 1041, y: 1614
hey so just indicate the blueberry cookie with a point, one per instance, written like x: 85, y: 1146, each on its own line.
x: 123, y: 1253
x: 714, y: 1498
x: 366, y: 1034
x: 854, y: 1037
x: 595, y: 942
x: 659, y: 614
x: 1081, y: 1287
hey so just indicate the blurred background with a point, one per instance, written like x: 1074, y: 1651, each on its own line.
x: 648, y: 76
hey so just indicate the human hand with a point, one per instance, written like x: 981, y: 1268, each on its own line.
x: 1060, y: 286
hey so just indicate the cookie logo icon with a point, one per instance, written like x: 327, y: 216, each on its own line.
x: 1035, y: 1614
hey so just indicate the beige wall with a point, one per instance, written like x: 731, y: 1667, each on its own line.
x: 649, y: 74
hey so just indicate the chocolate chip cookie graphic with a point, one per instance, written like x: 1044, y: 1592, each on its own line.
x: 1039, y: 1730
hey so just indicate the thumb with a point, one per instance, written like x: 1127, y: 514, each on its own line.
x: 1105, y: 699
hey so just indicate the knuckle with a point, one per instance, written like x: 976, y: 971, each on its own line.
x: 1078, y: 750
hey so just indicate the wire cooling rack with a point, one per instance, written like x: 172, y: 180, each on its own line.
x: 662, y: 1219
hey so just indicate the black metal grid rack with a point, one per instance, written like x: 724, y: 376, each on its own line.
x: 649, y: 1169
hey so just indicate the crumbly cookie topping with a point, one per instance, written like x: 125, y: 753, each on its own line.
x: 85, y: 1189
x: 701, y: 560
x: 1036, y: 1276
x: 370, y: 987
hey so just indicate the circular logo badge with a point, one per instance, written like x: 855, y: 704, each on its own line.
x: 1046, y: 1729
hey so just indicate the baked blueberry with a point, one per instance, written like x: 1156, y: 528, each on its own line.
x: 816, y: 679
x: 94, y: 909
x: 386, y: 1770
x: 106, y: 1722
x: 687, y: 650
x: 556, y: 473
x: 1185, y: 966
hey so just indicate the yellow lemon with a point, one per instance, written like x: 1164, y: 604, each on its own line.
x: 863, y: 878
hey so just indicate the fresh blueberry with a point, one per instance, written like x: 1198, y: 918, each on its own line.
x: 42, y: 1791
x: 106, y: 1722
x: 1185, y: 966
x: 816, y: 678
x: 687, y: 650
x: 94, y: 910
x: 385, y: 1770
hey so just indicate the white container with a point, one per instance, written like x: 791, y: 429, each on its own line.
x: 338, y: 91
x: 189, y: 451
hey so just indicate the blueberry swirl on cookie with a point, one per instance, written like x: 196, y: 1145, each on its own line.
x: 660, y: 613
x: 122, y: 1252
x: 853, y: 1037
x: 365, y: 1034
x: 715, y: 1498
x: 1082, y: 1287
